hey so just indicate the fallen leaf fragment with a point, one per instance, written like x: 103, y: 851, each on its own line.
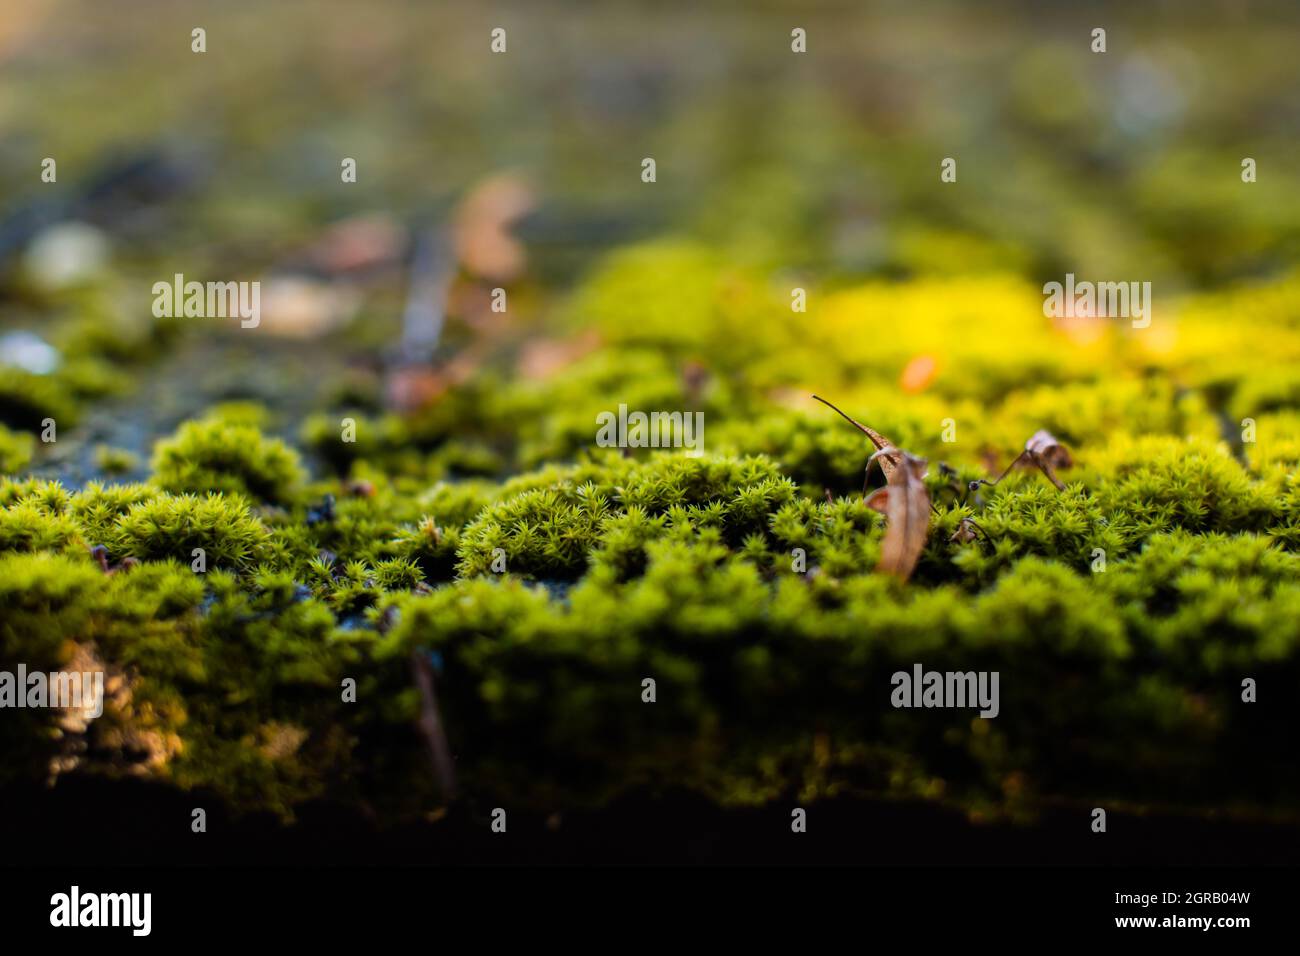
x: 967, y: 531
x: 905, y: 502
x: 482, y: 224
x: 1048, y: 454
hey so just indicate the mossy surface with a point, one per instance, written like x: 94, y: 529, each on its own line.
x: 740, y: 580
x: 203, y: 532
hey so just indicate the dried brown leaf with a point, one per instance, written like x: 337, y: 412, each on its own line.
x: 967, y: 531
x: 906, y: 505
x: 482, y: 224
x: 878, y: 500
x: 1048, y: 454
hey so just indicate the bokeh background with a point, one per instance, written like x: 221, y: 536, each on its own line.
x: 816, y: 170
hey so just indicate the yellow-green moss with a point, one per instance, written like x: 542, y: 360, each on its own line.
x: 220, y: 455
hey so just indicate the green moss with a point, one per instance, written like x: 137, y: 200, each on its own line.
x: 549, y: 531
x: 171, y: 527
x: 1163, y: 484
x: 47, y: 602
x: 687, y: 570
x: 219, y: 455
x: 27, y: 527
x: 45, y: 599
x: 374, y: 438
x: 1213, y: 604
x: 86, y: 380
x: 16, y: 450
x: 27, y: 400
x: 98, y: 508
x: 114, y: 461
x: 733, y: 579
x: 682, y: 298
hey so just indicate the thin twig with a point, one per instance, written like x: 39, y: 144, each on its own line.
x: 984, y: 481
x: 432, y: 269
x: 430, y: 725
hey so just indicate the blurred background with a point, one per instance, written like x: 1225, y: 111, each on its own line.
x: 818, y: 170
x: 1067, y: 157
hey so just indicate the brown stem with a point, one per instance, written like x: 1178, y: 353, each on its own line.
x: 431, y: 727
x: 1041, y: 462
x: 856, y: 424
x: 984, y: 481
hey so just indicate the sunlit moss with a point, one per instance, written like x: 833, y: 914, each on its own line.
x: 544, y: 580
x: 221, y: 455
x: 27, y: 401
x: 173, y: 527
x: 15, y: 450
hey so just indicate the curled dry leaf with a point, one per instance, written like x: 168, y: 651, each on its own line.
x: 1048, y: 454
x: 482, y: 224
x: 967, y: 531
x: 905, y: 502
x: 1043, y: 450
x: 889, y: 462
